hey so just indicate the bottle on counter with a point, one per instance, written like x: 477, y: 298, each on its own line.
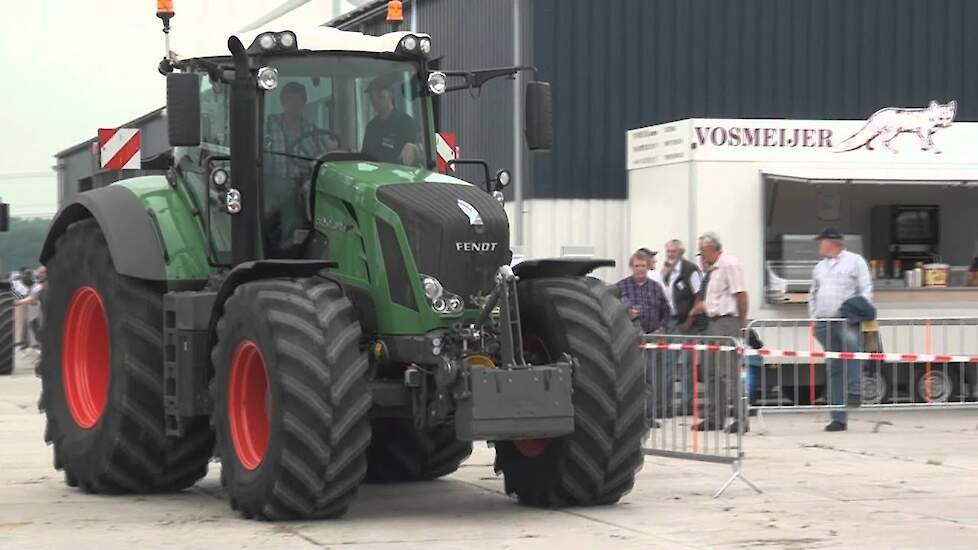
x: 897, y: 268
x: 973, y: 273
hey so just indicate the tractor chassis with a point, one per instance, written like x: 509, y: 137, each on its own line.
x: 485, y: 402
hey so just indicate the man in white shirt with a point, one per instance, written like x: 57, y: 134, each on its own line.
x: 725, y: 304
x: 681, y: 279
x: 840, y: 275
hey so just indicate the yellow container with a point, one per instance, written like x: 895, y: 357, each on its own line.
x: 936, y: 274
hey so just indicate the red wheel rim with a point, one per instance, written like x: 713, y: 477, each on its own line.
x: 85, y: 357
x: 532, y: 448
x: 248, y: 405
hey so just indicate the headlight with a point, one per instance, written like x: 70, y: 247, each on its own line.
x: 266, y: 41
x: 439, y: 299
x: 410, y: 43
x: 267, y: 78
x: 286, y: 39
x: 432, y: 288
x: 232, y: 201
x: 220, y: 177
x: 504, y: 178
x: 425, y: 45
x: 437, y: 82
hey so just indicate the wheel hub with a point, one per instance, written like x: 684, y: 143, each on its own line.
x: 85, y: 357
x: 248, y: 405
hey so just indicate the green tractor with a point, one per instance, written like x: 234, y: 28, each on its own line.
x: 305, y: 297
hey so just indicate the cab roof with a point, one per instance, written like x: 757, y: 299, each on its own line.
x: 311, y: 38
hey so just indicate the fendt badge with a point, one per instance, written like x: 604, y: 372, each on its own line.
x: 470, y: 246
x: 470, y: 211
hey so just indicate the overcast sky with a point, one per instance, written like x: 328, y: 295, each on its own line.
x: 70, y: 67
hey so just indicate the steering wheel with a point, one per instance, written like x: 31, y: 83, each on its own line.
x: 313, y: 134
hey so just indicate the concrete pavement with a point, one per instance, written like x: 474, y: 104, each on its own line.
x: 896, y: 479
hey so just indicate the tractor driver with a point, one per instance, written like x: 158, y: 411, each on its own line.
x: 289, y: 131
x: 391, y: 136
x: 290, y: 139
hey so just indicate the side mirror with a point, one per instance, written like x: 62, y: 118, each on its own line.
x: 183, y: 109
x: 539, y: 125
x: 4, y: 217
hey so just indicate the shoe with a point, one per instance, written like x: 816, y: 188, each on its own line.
x: 854, y: 401
x: 705, y: 426
x: 836, y: 426
x: 735, y: 425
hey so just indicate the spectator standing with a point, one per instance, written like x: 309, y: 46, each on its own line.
x: 681, y: 280
x: 646, y: 297
x: 34, y: 307
x: 20, y: 287
x: 725, y: 304
x: 840, y: 276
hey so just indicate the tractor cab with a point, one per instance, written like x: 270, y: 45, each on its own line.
x: 346, y: 97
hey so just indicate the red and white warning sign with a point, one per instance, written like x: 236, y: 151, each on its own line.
x: 446, y: 149
x: 119, y: 148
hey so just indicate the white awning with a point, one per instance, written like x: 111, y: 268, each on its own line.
x: 908, y: 175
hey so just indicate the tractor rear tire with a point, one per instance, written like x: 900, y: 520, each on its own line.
x: 102, y: 376
x: 290, y: 399
x: 584, y: 318
x: 6, y: 331
x: 400, y: 453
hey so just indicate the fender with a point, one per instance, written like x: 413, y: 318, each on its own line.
x: 150, y: 230
x: 133, y: 237
x: 256, y: 270
x: 559, y: 267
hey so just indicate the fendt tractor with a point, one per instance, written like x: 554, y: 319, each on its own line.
x: 304, y: 296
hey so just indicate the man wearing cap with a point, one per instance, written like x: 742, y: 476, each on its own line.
x: 391, y: 136
x: 646, y: 297
x: 840, y: 275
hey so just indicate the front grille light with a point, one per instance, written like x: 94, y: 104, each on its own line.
x: 440, y: 300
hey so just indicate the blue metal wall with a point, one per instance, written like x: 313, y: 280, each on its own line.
x: 621, y: 64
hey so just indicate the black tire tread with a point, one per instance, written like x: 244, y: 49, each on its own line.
x: 400, y: 453
x: 597, y: 463
x: 325, y: 428
x: 139, y: 458
x: 6, y: 332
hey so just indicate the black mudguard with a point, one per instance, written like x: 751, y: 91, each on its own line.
x: 132, y: 235
x: 559, y: 267
x: 261, y: 269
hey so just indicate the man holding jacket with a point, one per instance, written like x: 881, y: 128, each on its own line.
x: 838, y: 279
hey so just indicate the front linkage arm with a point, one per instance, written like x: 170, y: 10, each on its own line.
x: 510, y: 331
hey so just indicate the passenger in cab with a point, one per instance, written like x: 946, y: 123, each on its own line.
x: 391, y: 136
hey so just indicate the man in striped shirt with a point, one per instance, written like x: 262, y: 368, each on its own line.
x: 840, y: 275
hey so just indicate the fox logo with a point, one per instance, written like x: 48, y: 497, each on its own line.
x: 886, y: 124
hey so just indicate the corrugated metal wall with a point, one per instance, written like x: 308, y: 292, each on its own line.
x: 626, y: 64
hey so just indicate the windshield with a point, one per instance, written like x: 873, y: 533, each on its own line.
x: 348, y: 104
x: 342, y: 104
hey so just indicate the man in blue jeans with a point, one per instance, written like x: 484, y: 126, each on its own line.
x: 840, y: 276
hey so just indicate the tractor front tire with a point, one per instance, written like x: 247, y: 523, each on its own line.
x: 102, y: 376
x: 585, y: 319
x: 6, y: 331
x: 290, y: 399
x: 400, y: 453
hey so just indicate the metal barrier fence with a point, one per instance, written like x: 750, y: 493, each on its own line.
x: 896, y: 363
x: 694, y: 388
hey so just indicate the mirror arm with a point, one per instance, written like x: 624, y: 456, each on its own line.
x: 475, y: 162
x: 475, y: 79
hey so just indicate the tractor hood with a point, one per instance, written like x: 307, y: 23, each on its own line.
x: 456, y: 232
